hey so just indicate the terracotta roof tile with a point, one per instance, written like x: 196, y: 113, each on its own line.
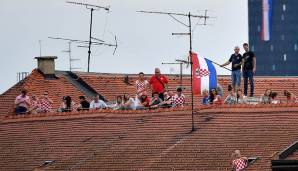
x: 143, y: 140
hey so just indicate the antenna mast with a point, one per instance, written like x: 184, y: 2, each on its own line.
x: 71, y: 60
x: 92, y: 8
x: 189, y: 33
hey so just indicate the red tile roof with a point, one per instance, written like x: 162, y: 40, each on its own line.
x: 142, y: 140
x: 155, y: 140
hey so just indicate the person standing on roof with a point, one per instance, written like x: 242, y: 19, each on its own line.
x: 236, y: 60
x: 142, y: 85
x: 22, y: 103
x: 249, y: 63
x: 239, y: 163
x: 159, y: 83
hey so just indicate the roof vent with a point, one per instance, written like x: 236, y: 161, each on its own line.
x: 46, y: 64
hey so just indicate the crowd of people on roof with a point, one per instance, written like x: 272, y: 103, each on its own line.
x: 161, y: 97
x: 237, y: 97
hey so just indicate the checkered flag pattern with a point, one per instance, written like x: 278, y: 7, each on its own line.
x: 202, y: 73
x: 179, y: 101
x: 239, y: 164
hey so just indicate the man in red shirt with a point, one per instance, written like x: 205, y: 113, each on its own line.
x: 159, y: 83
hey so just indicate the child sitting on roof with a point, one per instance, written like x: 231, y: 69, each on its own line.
x: 22, y: 103
x: 179, y: 98
x: 239, y: 163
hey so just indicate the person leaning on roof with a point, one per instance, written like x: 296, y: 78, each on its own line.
x: 22, y: 102
x: 179, y: 98
x: 159, y: 83
x: 96, y: 103
x: 84, y: 104
x: 238, y: 162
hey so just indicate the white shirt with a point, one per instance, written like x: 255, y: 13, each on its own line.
x: 100, y: 104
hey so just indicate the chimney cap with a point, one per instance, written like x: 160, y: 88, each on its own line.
x: 46, y: 57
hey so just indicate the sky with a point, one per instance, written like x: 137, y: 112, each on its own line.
x: 145, y: 41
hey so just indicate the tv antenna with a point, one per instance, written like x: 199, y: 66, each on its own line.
x: 71, y: 60
x: 189, y: 33
x: 92, y: 8
x: 69, y: 51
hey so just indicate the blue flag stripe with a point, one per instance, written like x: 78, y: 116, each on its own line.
x: 212, y: 76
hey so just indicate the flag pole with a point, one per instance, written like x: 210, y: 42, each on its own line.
x: 218, y: 64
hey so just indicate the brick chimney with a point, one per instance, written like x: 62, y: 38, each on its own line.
x: 46, y: 64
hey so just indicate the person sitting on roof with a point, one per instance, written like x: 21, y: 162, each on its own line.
x: 142, y: 101
x: 272, y: 98
x: 96, y: 103
x: 66, y: 105
x: 142, y: 84
x: 169, y: 98
x: 214, y: 98
x: 128, y: 102
x: 205, y: 100
x: 155, y: 100
x: 34, y: 104
x: 219, y: 90
x: 119, y: 103
x: 84, y: 104
x: 22, y: 103
x: 239, y: 163
x: 232, y: 97
x: 291, y: 98
x: 44, y: 103
x: 265, y: 99
x: 179, y: 98
x: 240, y: 97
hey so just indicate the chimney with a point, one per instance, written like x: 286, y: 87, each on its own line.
x: 46, y: 64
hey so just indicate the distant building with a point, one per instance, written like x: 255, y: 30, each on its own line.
x: 279, y: 55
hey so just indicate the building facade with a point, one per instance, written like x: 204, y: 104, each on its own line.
x: 277, y: 56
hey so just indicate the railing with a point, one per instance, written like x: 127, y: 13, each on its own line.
x: 21, y: 76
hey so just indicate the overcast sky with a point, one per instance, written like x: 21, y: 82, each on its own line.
x: 144, y: 40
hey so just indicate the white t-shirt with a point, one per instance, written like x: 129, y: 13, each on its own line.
x: 98, y: 105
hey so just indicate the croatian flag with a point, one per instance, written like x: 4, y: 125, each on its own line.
x: 266, y: 20
x: 204, y: 74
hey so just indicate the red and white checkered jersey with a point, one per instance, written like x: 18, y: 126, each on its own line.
x: 34, y: 103
x: 239, y: 164
x: 178, y: 100
x: 45, y: 105
x: 141, y: 86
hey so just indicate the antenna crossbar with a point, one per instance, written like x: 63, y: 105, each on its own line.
x: 89, y: 5
x: 179, y: 14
